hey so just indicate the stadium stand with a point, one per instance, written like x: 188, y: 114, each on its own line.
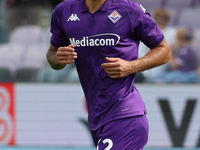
x: 29, y: 43
x: 26, y: 75
x: 196, y: 3
x: 188, y: 17
x: 34, y: 57
x: 178, y: 4
x: 5, y: 75
x: 10, y: 56
x: 26, y: 34
x: 150, y: 4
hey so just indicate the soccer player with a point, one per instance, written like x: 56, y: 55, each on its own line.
x: 102, y: 37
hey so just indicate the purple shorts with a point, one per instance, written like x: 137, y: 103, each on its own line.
x: 124, y: 134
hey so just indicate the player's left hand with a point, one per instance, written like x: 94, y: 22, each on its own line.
x: 117, y: 67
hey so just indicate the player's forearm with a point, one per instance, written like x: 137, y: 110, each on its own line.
x: 51, y: 57
x: 155, y: 57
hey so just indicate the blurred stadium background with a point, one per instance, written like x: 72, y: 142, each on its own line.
x: 44, y: 109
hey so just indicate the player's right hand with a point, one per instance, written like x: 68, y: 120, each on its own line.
x: 66, y: 55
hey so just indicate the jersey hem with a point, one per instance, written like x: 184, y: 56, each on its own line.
x: 116, y: 117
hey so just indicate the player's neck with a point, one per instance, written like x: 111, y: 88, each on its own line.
x: 94, y: 5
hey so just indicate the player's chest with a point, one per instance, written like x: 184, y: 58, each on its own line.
x: 78, y: 25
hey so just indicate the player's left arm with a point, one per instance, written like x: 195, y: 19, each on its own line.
x: 118, y: 68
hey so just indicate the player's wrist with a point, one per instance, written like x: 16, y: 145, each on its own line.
x: 134, y: 66
x: 55, y: 63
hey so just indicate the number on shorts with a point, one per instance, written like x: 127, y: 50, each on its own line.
x: 110, y: 144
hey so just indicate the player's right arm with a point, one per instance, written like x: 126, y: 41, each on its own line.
x: 58, y: 58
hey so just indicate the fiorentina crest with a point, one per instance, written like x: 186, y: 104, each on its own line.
x: 114, y: 16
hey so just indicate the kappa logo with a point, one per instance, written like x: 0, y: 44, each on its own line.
x: 114, y: 16
x: 73, y: 17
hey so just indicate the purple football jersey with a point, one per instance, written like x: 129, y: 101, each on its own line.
x: 113, y: 31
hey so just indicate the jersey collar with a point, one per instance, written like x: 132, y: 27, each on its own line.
x: 105, y: 7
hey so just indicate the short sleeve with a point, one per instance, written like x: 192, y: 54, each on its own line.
x: 58, y: 37
x: 145, y: 29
